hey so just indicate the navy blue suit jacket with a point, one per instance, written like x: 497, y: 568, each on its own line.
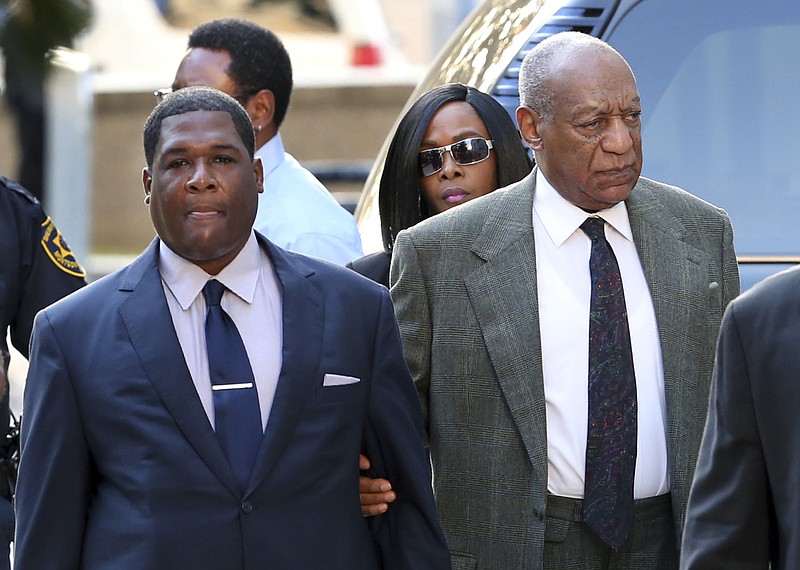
x: 122, y: 470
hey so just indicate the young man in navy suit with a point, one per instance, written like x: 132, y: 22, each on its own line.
x: 130, y: 457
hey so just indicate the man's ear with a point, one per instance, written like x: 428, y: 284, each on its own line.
x: 262, y: 110
x: 258, y: 170
x: 147, y: 183
x: 529, y: 122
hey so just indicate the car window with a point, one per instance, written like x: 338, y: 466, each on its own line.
x: 719, y: 81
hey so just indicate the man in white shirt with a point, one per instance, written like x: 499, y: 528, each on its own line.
x: 496, y: 305
x: 140, y: 449
x: 249, y: 63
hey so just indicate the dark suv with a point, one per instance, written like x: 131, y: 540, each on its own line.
x: 720, y: 87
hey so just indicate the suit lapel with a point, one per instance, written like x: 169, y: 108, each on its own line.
x: 677, y: 274
x: 508, y: 315
x: 507, y: 310
x: 303, y: 325
x: 674, y: 269
x: 146, y: 317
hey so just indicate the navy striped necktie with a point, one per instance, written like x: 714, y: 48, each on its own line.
x: 237, y: 415
x: 611, y: 434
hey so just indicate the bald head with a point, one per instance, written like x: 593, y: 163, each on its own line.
x: 550, y: 59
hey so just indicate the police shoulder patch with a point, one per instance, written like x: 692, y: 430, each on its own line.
x: 58, y: 251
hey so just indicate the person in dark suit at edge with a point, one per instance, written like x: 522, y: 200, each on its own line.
x: 743, y: 506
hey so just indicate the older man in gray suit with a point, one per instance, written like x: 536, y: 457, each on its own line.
x: 564, y: 425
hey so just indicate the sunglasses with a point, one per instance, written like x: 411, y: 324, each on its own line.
x: 242, y: 97
x: 468, y: 151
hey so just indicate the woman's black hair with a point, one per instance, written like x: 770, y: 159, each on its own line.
x: 400, y: 200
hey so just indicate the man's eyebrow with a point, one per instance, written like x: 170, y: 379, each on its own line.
x: 174, y: 150
x: 182, y: 149
x: 595, y: 108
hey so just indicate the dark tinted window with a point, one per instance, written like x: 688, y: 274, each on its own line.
x: 720, y: 86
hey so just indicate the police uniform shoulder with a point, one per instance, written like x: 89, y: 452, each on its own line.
x: 21, y: 204
x: 11, y: 188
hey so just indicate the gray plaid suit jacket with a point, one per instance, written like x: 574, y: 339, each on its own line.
x: 464, y: 288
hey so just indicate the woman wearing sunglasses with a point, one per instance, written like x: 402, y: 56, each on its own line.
x: 455, y: 143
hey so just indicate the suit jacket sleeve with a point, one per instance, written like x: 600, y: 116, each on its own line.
x: 409, y: 535
x: 728, y: 519
x: 730, y: 266
x: 53, y: 489
x: 413, y: 315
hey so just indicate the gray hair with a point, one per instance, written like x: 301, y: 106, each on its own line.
x: 535, y: 69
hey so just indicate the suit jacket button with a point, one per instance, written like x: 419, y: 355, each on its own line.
x: 247, y: 507
x: 538, y: 514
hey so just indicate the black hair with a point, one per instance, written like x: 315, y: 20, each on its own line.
x: 400, y: 199
x: 259, y: 59
x: 196, y: 99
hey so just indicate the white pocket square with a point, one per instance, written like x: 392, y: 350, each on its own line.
x: 339, y: 380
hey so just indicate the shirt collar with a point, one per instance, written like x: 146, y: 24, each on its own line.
x: 271, y: 153
x: 561, y: 218
x: 186, y: 280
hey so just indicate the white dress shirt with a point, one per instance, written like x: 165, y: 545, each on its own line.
x: 254, y: 303
x: 564, y: 293
x: 297, y: 212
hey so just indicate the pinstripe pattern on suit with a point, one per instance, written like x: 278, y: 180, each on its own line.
x: 464, y: 288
